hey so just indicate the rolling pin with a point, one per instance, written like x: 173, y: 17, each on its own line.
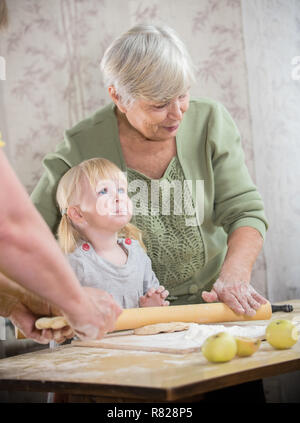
x: 192, y: 313
x: 133, y: 318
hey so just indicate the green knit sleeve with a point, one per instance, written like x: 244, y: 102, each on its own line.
x: 44, y: 194
x: 95, y: 136
x: 237, y: 200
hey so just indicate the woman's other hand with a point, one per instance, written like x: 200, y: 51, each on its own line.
x: 240, y: 296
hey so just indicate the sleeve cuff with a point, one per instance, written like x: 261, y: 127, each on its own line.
x: 257, y: 224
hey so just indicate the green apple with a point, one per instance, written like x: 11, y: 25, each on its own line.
x: 219, y: 348
x: 246, y: 346
x: 281, y: 334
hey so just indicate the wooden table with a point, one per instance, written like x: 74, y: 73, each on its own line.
x: 103, y: 375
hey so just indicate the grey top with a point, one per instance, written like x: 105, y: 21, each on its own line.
x: 126, y: 283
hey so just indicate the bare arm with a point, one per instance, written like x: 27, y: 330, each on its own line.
x: 31, y: 257
x: 233, y: 285
x: 23, y: 308
x: 29, y: 253
x: 244, y: 245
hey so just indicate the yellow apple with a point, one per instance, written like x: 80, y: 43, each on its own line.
x: 246, y: 346
x: 219, y: 348
x: 281, y: 334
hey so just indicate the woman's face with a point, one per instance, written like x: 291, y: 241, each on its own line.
x: 158, y: 122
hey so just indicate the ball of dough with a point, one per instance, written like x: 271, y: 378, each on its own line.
x: 51, y: 323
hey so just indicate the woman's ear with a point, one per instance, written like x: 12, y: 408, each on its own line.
x: 116, y: 99
x: 74, y: 213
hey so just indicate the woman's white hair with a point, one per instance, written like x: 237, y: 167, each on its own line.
x: 148, y: 62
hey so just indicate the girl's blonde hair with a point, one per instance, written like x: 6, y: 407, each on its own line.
x: 69, y: 192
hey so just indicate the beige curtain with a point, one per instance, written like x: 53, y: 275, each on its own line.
x: 272, y: 42
x: 242, y: 52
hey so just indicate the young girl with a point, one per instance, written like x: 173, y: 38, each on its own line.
x: 103, y: 248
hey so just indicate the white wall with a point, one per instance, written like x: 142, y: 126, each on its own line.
x: 272, y: 40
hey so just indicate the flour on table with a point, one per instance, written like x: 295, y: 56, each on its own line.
x: 190, y: 340
x: 198, y: 333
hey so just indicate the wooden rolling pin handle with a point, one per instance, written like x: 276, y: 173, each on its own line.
x: 285, y: 307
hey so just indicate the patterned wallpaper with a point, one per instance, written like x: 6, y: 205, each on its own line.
x: 53, y: 48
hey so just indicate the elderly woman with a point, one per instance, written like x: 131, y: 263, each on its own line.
x: 155, y: 133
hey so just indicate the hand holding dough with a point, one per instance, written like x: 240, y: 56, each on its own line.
x: 58, y: 322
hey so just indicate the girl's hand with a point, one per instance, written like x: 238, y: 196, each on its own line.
x: 155, y: 298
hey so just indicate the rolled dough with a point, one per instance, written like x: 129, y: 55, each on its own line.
x: 51, y: 323
x: 162, y: 327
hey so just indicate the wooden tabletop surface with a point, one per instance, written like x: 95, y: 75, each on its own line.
x: 142, y: 375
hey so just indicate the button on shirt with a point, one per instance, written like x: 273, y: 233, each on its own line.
x: 126, y: 283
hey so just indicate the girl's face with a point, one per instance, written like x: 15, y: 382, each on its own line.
x: 107, y: 207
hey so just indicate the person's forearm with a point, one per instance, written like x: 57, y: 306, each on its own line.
x: 10, y: 289
x: 12, y: 294
x: 30, y: 254
x: 244, y: 246
x: 34, y: 260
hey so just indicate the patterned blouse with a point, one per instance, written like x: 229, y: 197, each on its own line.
x: 173, y: 243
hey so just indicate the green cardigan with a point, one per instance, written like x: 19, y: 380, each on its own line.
x: 208, y: 148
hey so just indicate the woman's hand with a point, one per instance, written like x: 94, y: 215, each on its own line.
x: 23, y: 307
x: 95, y: 315
x: 91, y: 318
x: 155, y: 298
x: 24, y: 319
x: 240, y: 296
x: 233, y: 285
